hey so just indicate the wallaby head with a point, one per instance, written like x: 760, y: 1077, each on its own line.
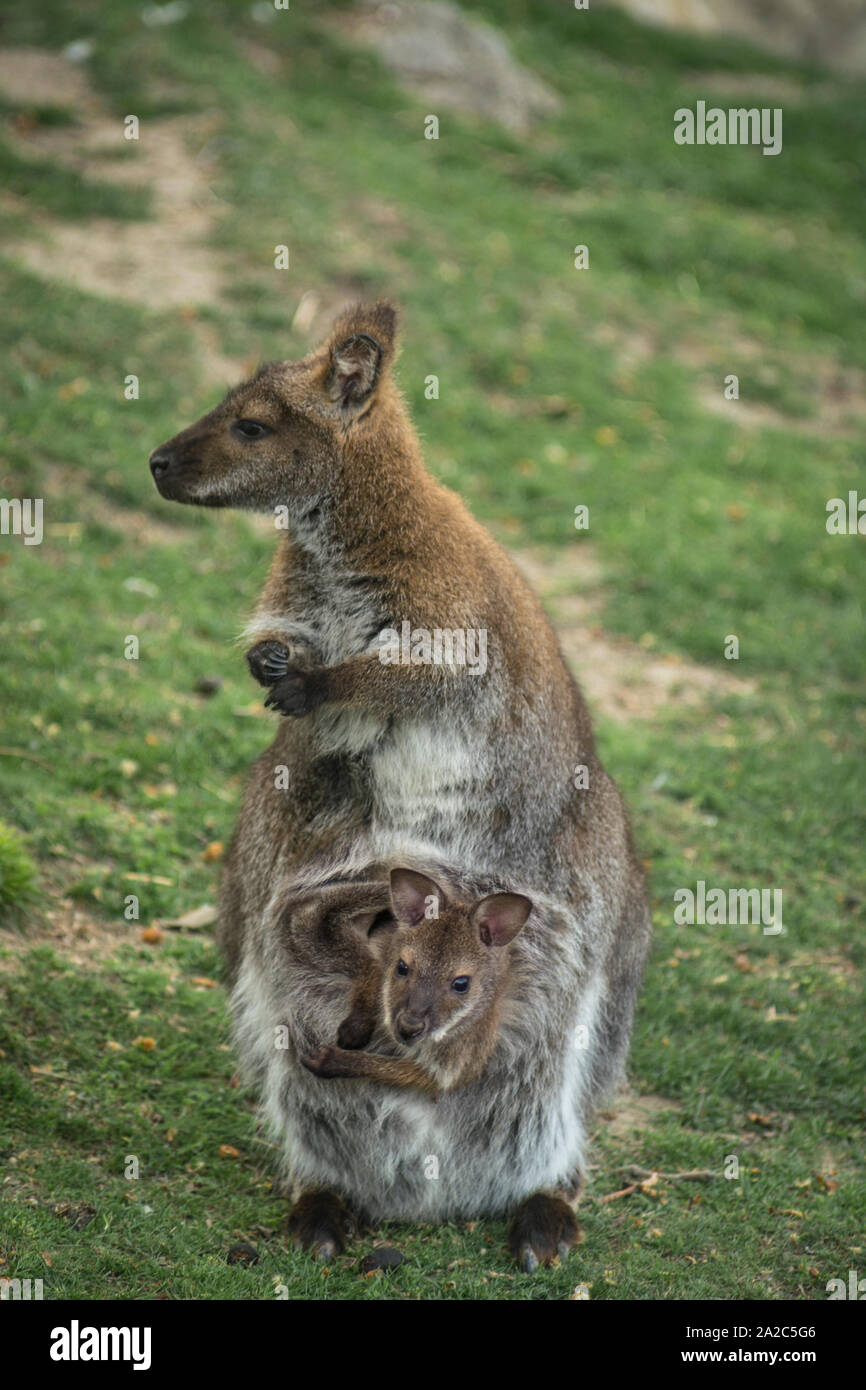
x: 444, y: 963
x: 332, y: 926
x: 280, y: 439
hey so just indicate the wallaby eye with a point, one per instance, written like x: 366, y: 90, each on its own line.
x: 402, y: 968
x: 250, y: 429
x: 461, y: 984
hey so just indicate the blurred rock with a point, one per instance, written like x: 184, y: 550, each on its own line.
x: 242, y: 1254
x: 453, y: 61
x: 383, y: 1257
x: 208, y: 685
x: 832, y: 32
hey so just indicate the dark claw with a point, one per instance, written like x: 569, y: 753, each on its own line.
x: 321, y: 1223
x: 324, y: 1251
x: 288, y: 695
x: 297, y: 693
x: 268, y: 661
x: 543, y: 1228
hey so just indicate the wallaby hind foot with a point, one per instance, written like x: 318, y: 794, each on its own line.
x: 321, y: 1222
x: 543, y: 1227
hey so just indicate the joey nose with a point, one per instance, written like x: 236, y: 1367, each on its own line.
x: 410, y: 1028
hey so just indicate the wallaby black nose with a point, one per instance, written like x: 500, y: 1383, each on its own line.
x: 159, y: 463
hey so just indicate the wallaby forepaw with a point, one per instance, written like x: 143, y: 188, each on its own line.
x: 296, y: 693
x: 543, y: 1228
x: 268, y: 661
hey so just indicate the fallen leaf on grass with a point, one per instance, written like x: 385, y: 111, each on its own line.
x: 194, y: 919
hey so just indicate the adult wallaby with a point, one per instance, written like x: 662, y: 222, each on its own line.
x: 442, y: 983
x: 398, y: 749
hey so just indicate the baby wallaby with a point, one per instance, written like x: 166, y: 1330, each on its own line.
x: 443, y: 974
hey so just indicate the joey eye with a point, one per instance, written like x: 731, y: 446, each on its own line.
x: 461, y: 984
x: 402, y: 968
x: 250, y: 429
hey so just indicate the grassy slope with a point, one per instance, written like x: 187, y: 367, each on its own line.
x: 701, y: 249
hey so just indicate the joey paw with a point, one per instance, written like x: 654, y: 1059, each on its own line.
x: 321, y: 1062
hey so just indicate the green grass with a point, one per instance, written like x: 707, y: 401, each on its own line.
x: 17, y: 875
x: 725, y: 262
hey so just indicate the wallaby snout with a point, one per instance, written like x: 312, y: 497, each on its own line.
x: 409, y: 1027
x: 160, y: 462
x: 174, y: 466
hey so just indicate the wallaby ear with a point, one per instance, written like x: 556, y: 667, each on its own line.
x: 365, y: 919
x: 360, y: 349
x: 354, y: 369
x: 500, y: 917
x: 410, y: 897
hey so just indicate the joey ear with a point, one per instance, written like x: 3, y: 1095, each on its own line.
x: 354, y: 370
x: 410, y: 897
x: 500, y: 917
